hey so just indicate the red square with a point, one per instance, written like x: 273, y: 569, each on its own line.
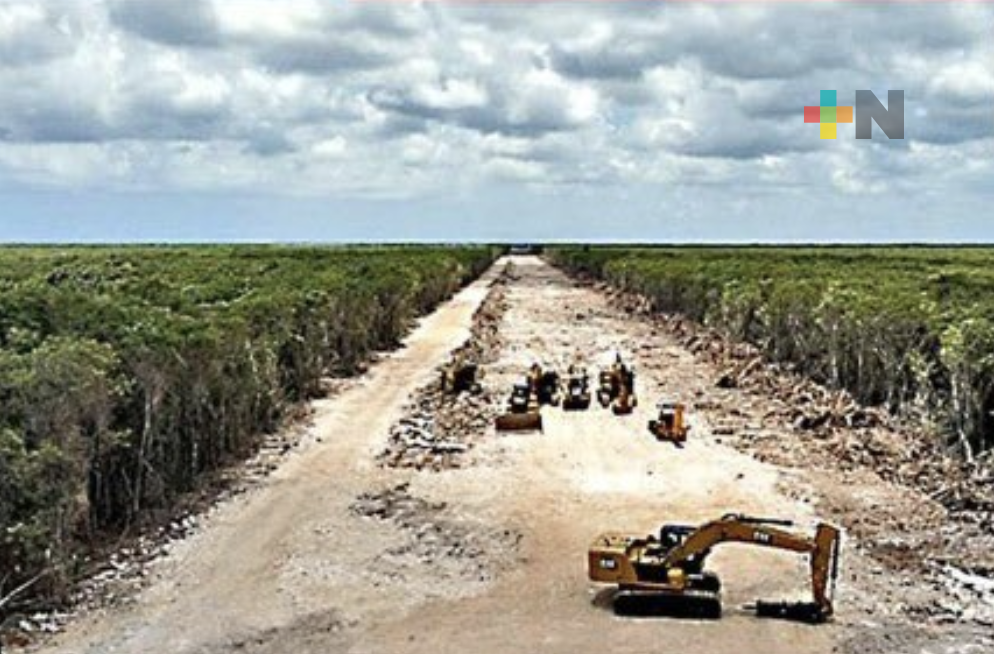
x: 812, y: 114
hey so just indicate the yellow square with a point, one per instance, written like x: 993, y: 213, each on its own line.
x: 828, y: 130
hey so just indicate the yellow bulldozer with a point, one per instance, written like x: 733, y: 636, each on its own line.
x: 541, y: 387
x: 522, y: 411
x: 616, y: 388
x: 665, y: 573
x: 670, y: 425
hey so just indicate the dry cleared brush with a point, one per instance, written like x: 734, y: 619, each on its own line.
x: 129, y: 375
x: 907, y: 329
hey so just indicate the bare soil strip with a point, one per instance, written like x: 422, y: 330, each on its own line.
x: 335, y: 552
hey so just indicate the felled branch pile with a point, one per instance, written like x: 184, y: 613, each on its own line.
x: 438, y: 428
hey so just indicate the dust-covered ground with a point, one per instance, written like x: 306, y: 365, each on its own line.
x: 340, y: 550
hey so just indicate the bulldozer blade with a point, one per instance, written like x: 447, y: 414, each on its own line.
x: 519, y: 422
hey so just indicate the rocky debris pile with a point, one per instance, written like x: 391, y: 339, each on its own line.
x: 438, y: 428
x: 451, y: 548
x: 484, y: 344
x: 968, y: 597
x: 395, y: 504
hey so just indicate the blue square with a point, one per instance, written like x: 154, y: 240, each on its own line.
x: 828, y: 98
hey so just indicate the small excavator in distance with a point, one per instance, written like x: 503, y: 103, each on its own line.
x: 577, y: 390
x: 545, y: 385
x: 616, y: 388
x: 665, y: 573
x: 460, y: 376
x: 670, y: 425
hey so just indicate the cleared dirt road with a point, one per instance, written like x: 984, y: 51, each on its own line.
x: 293, y: 567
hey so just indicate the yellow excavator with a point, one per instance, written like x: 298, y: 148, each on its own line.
x: 545, y: 385
x: 460, y: 376
x: 616, y: 388
x: 665, y: 573
x: 577, y: 390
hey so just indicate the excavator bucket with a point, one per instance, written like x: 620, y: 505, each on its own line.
x: 530, y: 421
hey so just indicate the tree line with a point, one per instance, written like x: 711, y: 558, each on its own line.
x: 128, y: 375
x: 910, y: 329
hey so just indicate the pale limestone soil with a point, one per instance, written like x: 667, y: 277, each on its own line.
x: 290, y: 567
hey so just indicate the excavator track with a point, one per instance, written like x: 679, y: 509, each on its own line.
x: 699, y: 604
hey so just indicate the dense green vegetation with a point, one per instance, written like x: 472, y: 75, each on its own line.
x: 911, y: 329
x: 127, y: 375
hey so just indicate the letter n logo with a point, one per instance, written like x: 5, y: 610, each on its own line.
x: 889, y: 119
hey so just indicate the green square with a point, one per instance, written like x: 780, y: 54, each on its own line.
x: 828, y: 114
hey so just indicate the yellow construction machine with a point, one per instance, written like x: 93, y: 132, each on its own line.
x: 460, y: 376
x: 522, y: 411
x: 670, y: 425
x: 665, y: 573
x: 577, y: 390
x: 545, y: 385
x: 541, y: 387
x: 616, y: 388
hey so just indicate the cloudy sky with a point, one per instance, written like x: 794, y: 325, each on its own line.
x: 354, y: 120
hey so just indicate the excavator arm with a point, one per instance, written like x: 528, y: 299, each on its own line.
x: 823, y: 550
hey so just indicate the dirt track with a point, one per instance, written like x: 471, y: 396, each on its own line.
x: 489, y: 557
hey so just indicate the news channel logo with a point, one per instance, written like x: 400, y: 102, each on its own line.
x: 866, y: 110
